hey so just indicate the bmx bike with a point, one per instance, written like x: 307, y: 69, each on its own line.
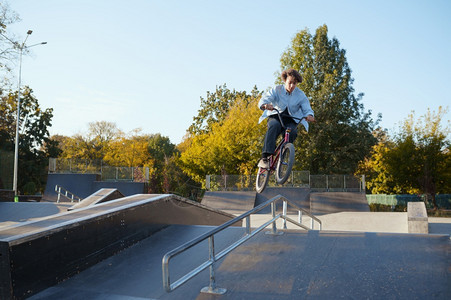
x: 281, y: 162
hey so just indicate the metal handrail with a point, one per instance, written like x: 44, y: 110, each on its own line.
x: 65, y: 193
x: 213, y: 257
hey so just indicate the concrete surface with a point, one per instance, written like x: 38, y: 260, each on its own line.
x: 230, y: 201
x: 299, y: 196
x: 295, y: 265
x: 417, y: 217
x: 16, y: 213
x: 388, y: 222
x: 333, y: 202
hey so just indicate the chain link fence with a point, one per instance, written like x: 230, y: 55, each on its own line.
x: 442, y: 200
x: 317, y: 183
x: 108, y: 173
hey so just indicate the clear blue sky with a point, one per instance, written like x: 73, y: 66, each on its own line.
x: 145, y: 64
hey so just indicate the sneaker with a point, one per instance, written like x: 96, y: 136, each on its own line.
x: 263, y: 163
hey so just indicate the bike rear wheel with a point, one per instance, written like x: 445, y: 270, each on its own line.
x: 262, y: 179
x: 285, y: 163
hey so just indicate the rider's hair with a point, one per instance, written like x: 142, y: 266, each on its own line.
x: 291, y: 72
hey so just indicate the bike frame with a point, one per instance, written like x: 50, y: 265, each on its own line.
x: 273, y: 158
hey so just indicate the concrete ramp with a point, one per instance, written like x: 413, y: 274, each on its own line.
x: 37, y: 254
x: 13, y: 213
x: 231, y: 202
x: 102, y: 195
x: 333, y: 202
x: 299, y: 196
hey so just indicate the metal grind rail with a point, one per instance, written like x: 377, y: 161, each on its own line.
x: 213, y: 257
x: 66, y: 194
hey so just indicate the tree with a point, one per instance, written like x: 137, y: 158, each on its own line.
x: 343, y: 134
x: 94, y: 144
x: 128, y: 150
x: 378, y: 179
x: 215, y: 107
x: 416, y: 160
x: 421, y: 159
x: 232, y: 146
x: 33, y: 134
x: 7, y: 40
x: 161, y: 151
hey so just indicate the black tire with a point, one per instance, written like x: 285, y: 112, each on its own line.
x: 285, y: 163
x: 262, y: 179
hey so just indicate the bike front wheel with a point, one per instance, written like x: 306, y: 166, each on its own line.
x: 262, y: 179
x: 285, y: 163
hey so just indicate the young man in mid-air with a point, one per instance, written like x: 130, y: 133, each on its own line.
x: 290, y: 101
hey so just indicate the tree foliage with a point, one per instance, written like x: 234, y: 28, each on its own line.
x: 34, y: 123
x: 92, y: 145
x: 416, y: 160
x: 105, y: 144
x: 343, y: 134
x: 8, y: 41
x: 232, y: 146
x: 127, y: 150
x: 215, y: 108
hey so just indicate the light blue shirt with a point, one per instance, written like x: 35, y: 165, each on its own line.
x: 297, y: 104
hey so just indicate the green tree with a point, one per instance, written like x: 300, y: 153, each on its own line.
x: 342, y: 135
x: 33, y: 134
x: 161, y: 151
x: 421, y: 159
x: 416, y: 160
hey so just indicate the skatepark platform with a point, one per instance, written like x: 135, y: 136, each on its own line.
x: 114, y: 250
x: 318, y: 203
x: 83, y: 185
x: 43, y: 251
x: 295, y: 265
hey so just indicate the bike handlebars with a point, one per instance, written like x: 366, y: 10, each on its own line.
x: 280, y: 118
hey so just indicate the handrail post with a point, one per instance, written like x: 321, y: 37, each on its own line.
x: 300, y: 216
x: 285, y: 214
x: 273, y: 225
x: 212, y: 289
x: 248, y: 225
x: 311, y: 223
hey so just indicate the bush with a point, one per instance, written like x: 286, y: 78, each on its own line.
x: 29, y: 188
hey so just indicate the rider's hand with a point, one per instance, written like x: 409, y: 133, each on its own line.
x: 268, y: 106
x: 310, y: 118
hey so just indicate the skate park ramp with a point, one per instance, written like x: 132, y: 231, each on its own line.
x: 334, y: 202
x: 36, y: 254
x: 309, y: 265
x: 234, y: 202
x: 102, y: 195
x: 299, y: 196
x: 13, y: 213
x: 84, y: 185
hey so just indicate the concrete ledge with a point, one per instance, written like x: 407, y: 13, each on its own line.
x: 417, y: 218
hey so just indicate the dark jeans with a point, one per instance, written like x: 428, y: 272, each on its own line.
x: 273, y: 131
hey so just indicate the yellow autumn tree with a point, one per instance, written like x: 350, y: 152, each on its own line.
x: 232, y: 146
x: 128, y: 150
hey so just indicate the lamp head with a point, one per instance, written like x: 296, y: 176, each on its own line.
x: 29, y: 31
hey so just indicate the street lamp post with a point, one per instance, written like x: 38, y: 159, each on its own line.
x: 21, y: 47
